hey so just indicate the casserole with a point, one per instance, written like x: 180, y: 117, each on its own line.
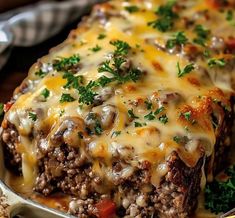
x: 132, y: 114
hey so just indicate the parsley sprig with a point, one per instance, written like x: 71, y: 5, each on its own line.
x: 202, y: 35
x: 66, y: 64
x: 33, y: 116
x: 220, y: 196
x: 166, y: 15
x: 45, y: 93
x: 66, y: 98
x: 132, y: 9
x: 1, y: 109
x: 216, y: 62
x: 187, y: 69
x: 117, y: 66
x: 178, y: 39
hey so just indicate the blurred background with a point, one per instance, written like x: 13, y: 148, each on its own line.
x: 21, y: 58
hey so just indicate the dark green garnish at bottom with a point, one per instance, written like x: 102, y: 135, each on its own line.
x: 220, y: 196
x: 1, y: 109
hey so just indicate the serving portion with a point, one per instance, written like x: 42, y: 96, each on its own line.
x: 132, y: 115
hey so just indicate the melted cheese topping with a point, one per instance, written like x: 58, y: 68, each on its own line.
x: 154, y: 142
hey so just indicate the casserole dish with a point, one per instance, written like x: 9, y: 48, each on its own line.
x: 132, y: 115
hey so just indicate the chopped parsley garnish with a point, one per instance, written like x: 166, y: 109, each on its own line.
x: 45, y: 93
x: 159, y: 110
x: 202, y: 35
x: 40, y: 73
x: 166, y: 15
x: 98, y: 129
x: 132, y: 9
x: 187, y: 69
x: 137, y: 124
x: 131, y: 114
x: 66, y: 98
x: 187, y: 115
x: 122, y: 48
x: 220, y: 195
x: 120, y: 74
x: 229, y: 15
x: 72, y: 81
x: 207, y: 53
x: 1, y: 109
x: 96, y: 48
x: 163, y: 119
x: 101, y: 36
x: 149, y: 116
x: 87, y: 95
x: 178, y: 39
x: 149, y: 105
x: 64, y: 64
x: 115, y: 134
x: 216, y: 62
x: 116, y: 66
x: 177, y: 139
x: 33, y: 116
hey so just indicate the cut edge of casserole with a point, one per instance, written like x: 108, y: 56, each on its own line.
x: 130, y: 113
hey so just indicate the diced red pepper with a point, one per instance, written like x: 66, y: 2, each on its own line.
x: 7, y: 106
x: 106, y: 208
x: 214, y: 3
x: 230, y: 42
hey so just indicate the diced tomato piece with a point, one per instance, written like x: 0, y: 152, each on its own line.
x: 230, y: 42
x: 106, y: 208
x: 214, y: 3
x: 7, y: 106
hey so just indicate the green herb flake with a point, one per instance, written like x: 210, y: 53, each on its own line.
x: 96, y: 48
x: 87, y: 95
x: 98, y: 129
x: 177, y: 139
x: 45, y: 93
x: 149, y: 116
x: 66, y: 98
x: 33, y: 116
x: 229, y: 15
x: 202, y: 35
x: 122, y: 48
x: 220, y: 195
x: 1, y: 109
x: 65, y: 64
x: 159, y: 110
x: 40, y: 73
x: 132, y: 9
x: 72, y: 81
x: 137, y: 124
x: 216, y: 62
x: 187, y: 115
x: 115, y: 69
x: 207, y: 53
x: 187, y: 69
x: 101, y: 36
x: 178, y: 39
x: 149, y: 105
x: 115, y: 134
x: 131, y: 114
x: 163, y: 119
x: 166, y: 15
